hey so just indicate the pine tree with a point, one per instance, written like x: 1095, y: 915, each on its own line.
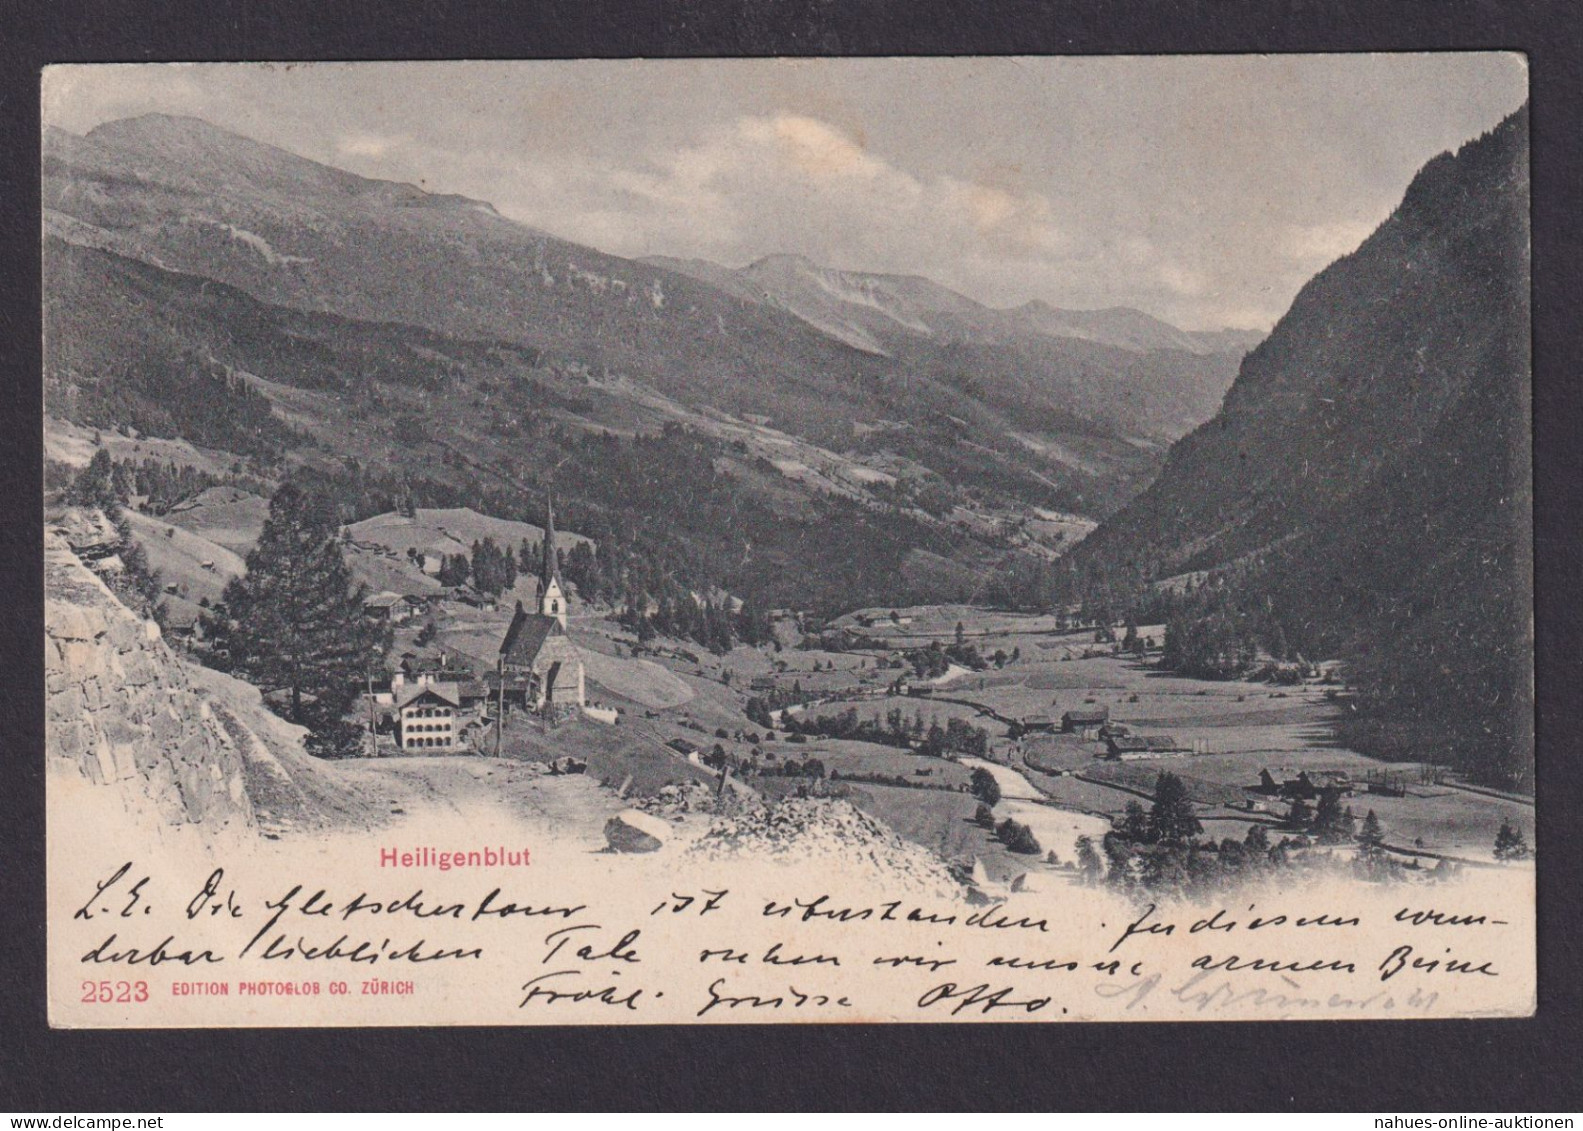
x: 294, y: 620
x: 1510, y: 844
x: 1171, y: 819
x: 1330, y: 822
x: 95, y: 486
x: 1299, y: 816
x: 1371, y: 834
x: 1018, y: 837
x: 1089, y: 865
x: 1135, y: 823
x: 454, y: 570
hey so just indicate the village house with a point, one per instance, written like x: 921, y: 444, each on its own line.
x: 536, y: 647
x: 387, y: 606
x: 426, y: 718
x: 442, y: 665
x: 1082, y: 720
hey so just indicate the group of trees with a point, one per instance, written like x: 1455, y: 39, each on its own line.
x: 1016, y: 836
x: 935, y: 660
x: 495, y: 567
x: 681, y: 614
x: 136, y: 584
x: 1215, y: 646
x: 1510, y: 844
x: 759, y: 764
x: 956, y: 737
x: 188, y: 396
x: 982, y: 785
x: 161, y: 484
x: 1160, y: 850
x: 1170, y: 820
x: 490, y: 568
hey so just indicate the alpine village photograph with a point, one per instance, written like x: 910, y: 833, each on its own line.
x: 1093, y: 472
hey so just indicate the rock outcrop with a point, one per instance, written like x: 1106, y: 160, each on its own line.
x: 121, y: 711
x: 633, y: 830
x: 826, y: 836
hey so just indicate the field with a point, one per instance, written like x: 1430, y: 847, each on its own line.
x: 1226, y: 732
x: 179, y: 556
x: 225, y: 515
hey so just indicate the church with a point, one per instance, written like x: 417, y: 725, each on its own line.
x: 537, y: 647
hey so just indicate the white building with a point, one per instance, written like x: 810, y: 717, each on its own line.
x: 426, y: 719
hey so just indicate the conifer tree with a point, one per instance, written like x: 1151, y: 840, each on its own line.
x: 1172, y: 819
x: 294, y: 620
x: 1510, y: 844
x: 95, y: 486
x: 984, y: 787
x: 1089, y: 865
x: 1135, y: 823
x: 1371, y: 834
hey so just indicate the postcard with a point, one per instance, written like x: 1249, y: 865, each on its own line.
x: 702, y: 541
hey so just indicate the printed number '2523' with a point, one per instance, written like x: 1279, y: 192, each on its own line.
x: 106, y: 992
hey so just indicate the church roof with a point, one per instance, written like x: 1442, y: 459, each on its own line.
x: 527, y: 635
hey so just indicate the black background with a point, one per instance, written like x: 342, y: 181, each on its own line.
x: 1384, y: 1067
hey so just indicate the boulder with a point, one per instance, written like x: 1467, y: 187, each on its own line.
x: 633, y: 830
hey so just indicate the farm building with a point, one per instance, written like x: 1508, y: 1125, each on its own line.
x: 392, y: 607
x: 467, y: 595
x: 1079, y: 720
x: 1122, y: 745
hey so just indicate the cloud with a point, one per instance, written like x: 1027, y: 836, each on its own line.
x: 760, y: 184
x: 365, y: 145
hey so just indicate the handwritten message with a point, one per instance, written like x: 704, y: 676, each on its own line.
x: 239, y: 945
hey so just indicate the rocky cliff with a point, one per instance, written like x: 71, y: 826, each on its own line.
x: 121, y: 711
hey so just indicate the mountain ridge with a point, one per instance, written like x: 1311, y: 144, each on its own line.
x: 1366, y: 482
x: 197, y: 201
x: 773, y: 278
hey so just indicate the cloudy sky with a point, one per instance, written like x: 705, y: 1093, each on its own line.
x: 1204, y: 190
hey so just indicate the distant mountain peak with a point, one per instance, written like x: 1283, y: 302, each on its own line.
x: 177, y: 147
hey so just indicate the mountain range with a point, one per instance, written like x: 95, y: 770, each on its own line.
x: 1084, y: 401
x: 1368, y: 479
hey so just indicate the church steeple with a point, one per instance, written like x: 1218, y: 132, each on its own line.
x: 552, y: 594
x: 550, y: 570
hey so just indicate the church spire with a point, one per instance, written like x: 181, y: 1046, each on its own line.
x: 550, y: 570
x: 552, y: 595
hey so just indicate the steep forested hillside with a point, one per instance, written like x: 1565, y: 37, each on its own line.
x: 1366, y: 486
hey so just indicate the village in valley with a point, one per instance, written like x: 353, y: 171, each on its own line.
x: 1011, y: 743
x: 396, y: 502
